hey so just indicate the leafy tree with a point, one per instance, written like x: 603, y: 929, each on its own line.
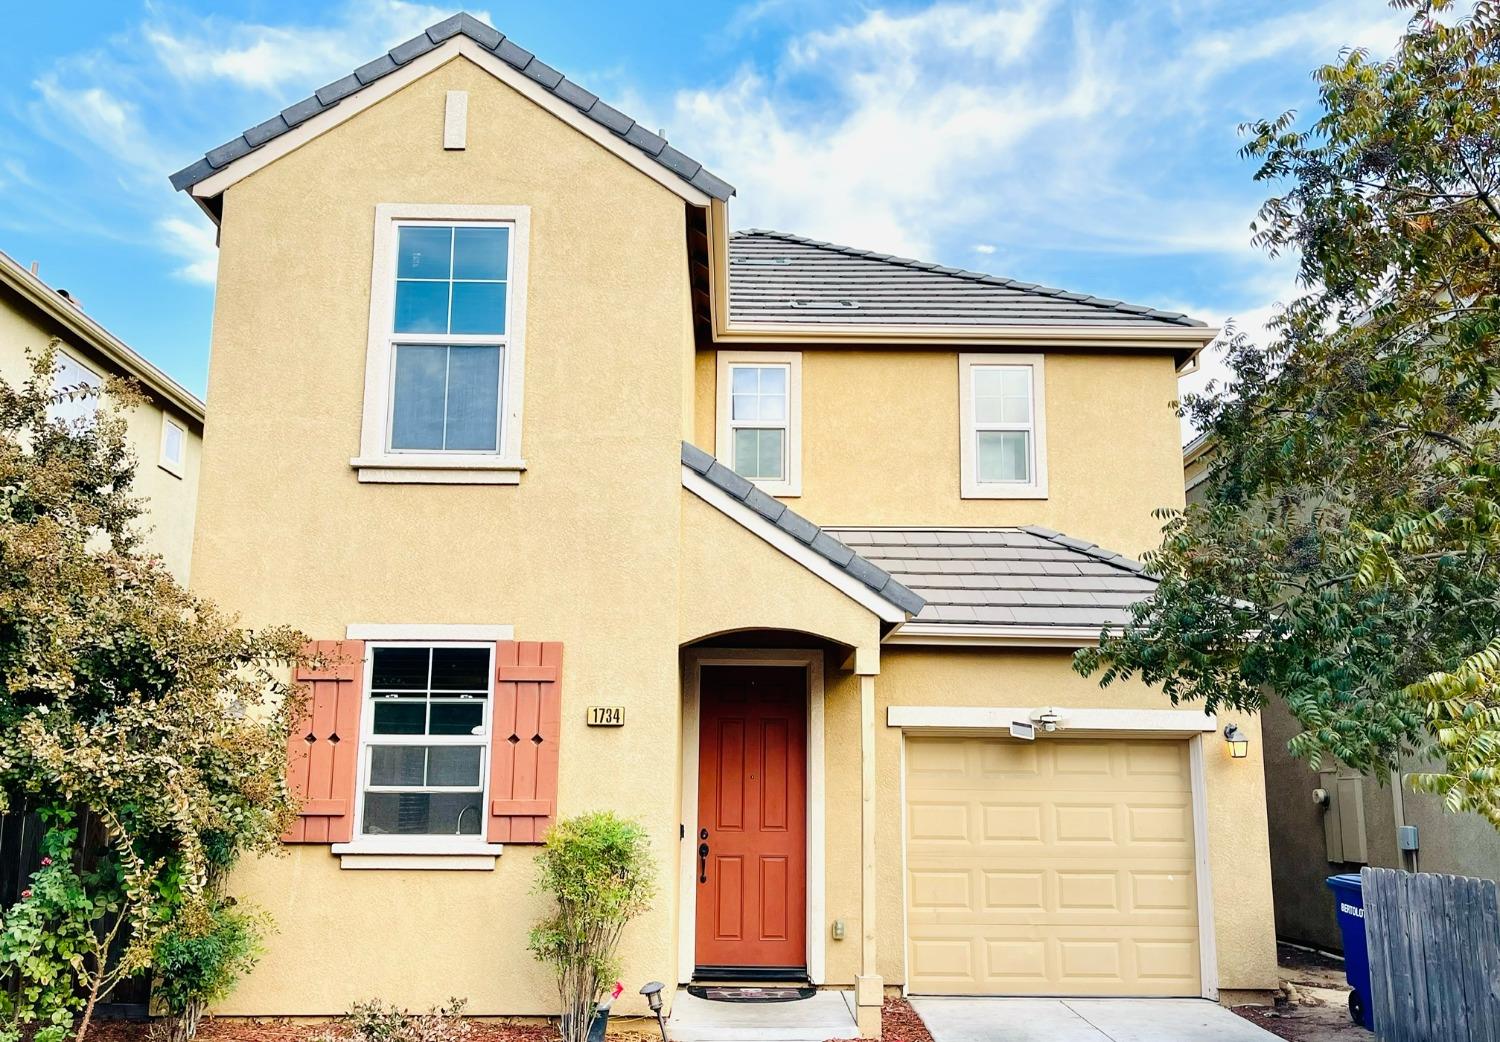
x: 124, y: 700
x: 1347, y: 556
x: 597, y: 869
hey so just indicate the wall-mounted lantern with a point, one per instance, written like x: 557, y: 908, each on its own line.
x: 1239, y: 745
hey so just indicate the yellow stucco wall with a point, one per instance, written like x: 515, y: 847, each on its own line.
x: 170, y: 500
x: 992, y: 677
x: 732, y: 579
x: 881, y: 439
x: 583, y: 551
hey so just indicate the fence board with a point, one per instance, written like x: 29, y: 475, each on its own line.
x: 1434, y: 956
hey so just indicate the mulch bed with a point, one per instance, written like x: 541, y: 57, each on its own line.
x: 899, y: 1020
x: 276, y: 1030
x: 900, y: 1023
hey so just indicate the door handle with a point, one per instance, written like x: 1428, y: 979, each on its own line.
x: 702, y: 862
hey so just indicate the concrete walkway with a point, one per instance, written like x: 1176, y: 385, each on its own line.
x: 826, y: 1015
x: 1084, y: 1020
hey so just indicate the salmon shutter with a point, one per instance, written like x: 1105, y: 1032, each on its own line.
x: 323, y: 749
x: 523, y: 749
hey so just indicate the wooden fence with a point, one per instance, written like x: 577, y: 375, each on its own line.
x: 21, y: 855
x: 1434, y: 956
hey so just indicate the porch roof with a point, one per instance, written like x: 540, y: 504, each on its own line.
x: 775, y: 515
x: 1028, y: 577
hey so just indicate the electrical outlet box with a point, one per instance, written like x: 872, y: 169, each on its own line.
x: 1406, y: 838
x: 838, y: 929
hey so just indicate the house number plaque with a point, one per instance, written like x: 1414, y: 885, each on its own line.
x: 606, y: 716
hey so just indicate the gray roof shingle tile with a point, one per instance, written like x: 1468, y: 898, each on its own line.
x: 777, y: 277
x: 822, y: 542
x: 491, y: 39
x: 1029, y: 576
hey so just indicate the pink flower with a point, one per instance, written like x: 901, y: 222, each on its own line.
x: 616, y: 991
x: 25, y: 893
x: 46, y: 861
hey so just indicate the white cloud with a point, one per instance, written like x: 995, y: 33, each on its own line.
x: 271, y: 57
x: 984, y: 247
x: 95, y: 119
x: 192, y: 241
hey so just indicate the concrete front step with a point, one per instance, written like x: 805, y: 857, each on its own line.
x: 826, y: 1015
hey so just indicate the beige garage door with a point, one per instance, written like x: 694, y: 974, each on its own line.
x: 1062, y: 866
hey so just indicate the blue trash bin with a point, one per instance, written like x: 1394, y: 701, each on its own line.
x: 1348, y: 891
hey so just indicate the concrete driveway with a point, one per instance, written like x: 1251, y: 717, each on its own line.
x: 1084, y: 1020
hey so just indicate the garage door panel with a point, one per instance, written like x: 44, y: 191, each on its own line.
x: 1060, y: 867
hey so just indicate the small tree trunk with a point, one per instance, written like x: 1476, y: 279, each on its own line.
x: 88, y: 1010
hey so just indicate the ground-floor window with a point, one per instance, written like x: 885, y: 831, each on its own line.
x: 425, y: 740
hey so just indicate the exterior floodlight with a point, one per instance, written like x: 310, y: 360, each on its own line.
x: 1239, y: 745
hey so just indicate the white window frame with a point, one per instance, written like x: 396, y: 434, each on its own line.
x: 376, y: 461
x: 970, y: 487
x: 61, y: 380
x: 167, y: 463
x: 791, y: 361
x: 383, y: 843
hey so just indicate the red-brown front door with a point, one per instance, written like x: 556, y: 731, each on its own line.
x: 752, y: 818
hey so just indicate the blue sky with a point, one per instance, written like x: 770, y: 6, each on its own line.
x: 1078, y: 144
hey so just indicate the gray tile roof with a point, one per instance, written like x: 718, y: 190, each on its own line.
x: 784, y: 278
x: 1005, y: 576
x: 801, y: 529
x: 619, y: 124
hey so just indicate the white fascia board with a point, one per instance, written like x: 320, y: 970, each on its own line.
x: 981, y: 635
x: 999, y: 718
x: 793, y: 548
x: 218, y: 182
x: 1009, y: 336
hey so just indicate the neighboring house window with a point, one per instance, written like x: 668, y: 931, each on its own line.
x: 426, y: 739
x: 760, y: 418
x: 445, y: 356
x: 173, y: 445
x: 70, y: 375
x: 1003, y: 426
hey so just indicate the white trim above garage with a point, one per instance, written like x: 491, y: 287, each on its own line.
x: 999, y: 718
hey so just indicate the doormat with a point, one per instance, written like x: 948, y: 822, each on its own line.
x: 751, y: 994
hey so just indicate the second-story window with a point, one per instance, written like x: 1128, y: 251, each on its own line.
x: 1001, y: 408
x: 759, y: 408
x: 72, y: 375
x: 448, y: 337
x: 445, y: 360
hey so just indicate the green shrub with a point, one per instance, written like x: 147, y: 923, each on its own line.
x: 199, y: 959
x: 598, y: 870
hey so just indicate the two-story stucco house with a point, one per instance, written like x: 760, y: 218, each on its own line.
x: 165, y: 430
x: 503, y: 406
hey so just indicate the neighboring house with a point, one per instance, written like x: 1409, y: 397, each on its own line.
x: 508, y: 418
x: 1336, y: 819
x: 165, y: 431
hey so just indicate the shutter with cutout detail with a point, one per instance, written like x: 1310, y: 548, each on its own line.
x: 524, y: 746
x: 323, y: 749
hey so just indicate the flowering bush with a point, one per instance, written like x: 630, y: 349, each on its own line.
x: 125, y: 698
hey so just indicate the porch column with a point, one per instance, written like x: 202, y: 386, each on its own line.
x: 869, y: 989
